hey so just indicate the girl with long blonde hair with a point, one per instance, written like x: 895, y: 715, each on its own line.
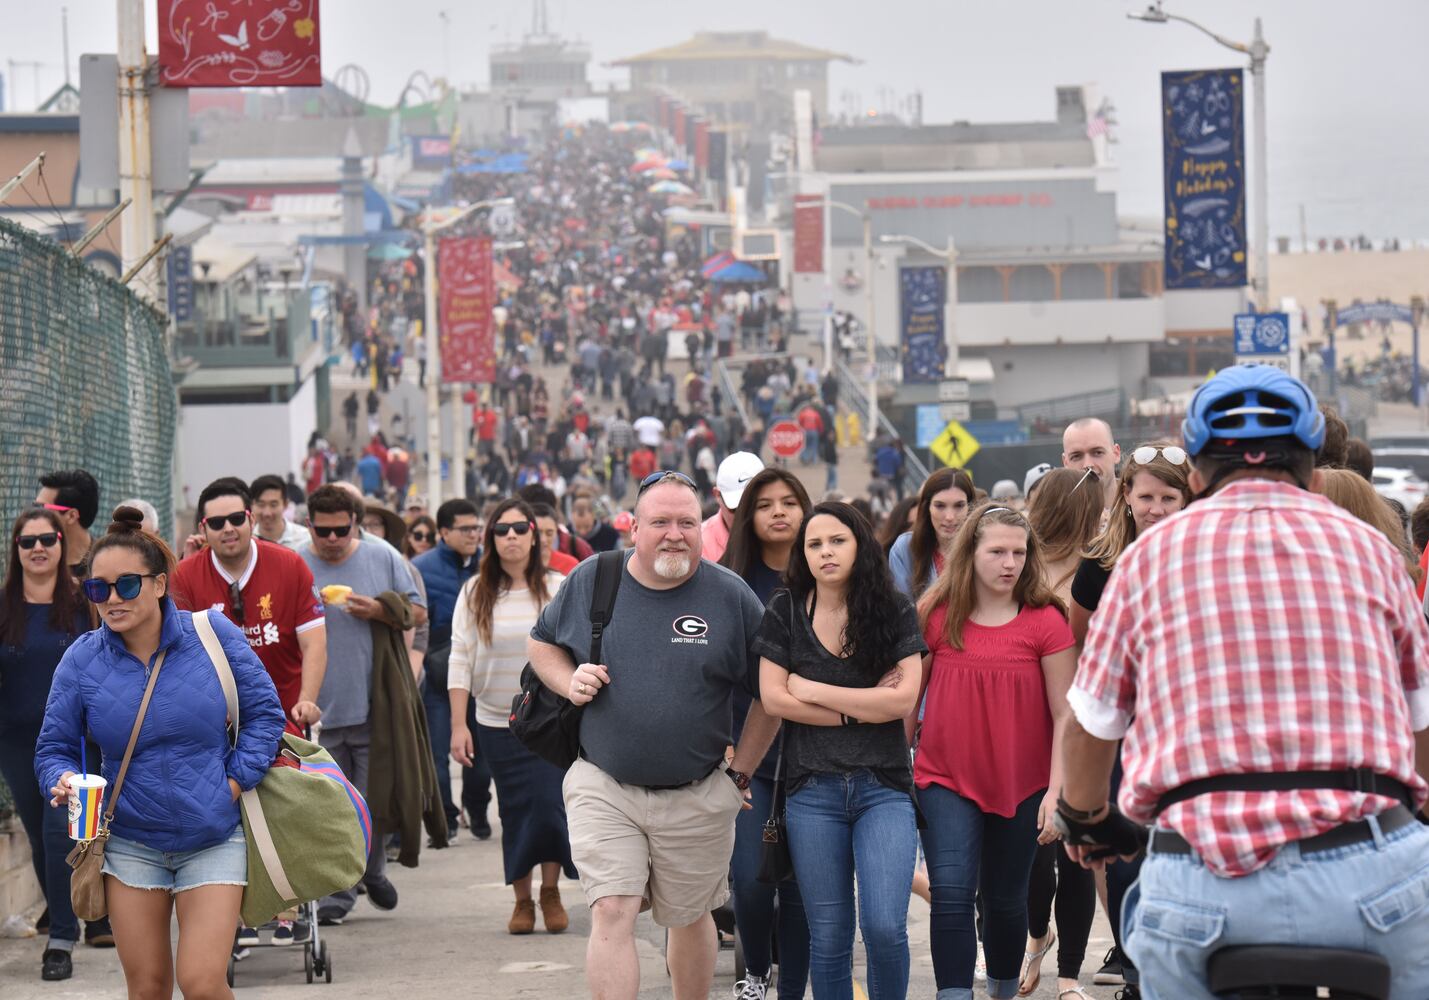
x: 989, y: 759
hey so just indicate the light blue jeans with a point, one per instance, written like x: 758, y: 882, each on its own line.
x: 1372, y: 896
x: 843, y: 826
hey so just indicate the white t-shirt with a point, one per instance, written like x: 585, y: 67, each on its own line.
x: 649, y: 430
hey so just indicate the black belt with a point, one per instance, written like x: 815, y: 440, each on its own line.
x: 1171, y: 842
x: 1358, y: 779
x: 660, y: 788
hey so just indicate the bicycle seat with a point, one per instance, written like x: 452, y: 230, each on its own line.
x: 1352, y: 973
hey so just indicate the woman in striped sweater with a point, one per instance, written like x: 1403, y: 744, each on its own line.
x: 494, y: 614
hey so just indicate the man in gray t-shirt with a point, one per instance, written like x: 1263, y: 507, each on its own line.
x: 651, y: 806
x: 338, y: 555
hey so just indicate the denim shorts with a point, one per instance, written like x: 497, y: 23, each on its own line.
x: 141, y: 867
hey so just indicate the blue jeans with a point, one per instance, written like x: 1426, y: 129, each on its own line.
x: 970, y: 851
x: 46, y: 828
x: 810, y: 454
x: 842, y: 825
x: 1372, y: 896
x: 439, y: 730
x: 754, y: 902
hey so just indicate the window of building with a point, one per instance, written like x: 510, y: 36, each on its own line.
x: 1083, y: 281
x: 979, y: 284
x: 1032, y: 283
x: 1130, y: 281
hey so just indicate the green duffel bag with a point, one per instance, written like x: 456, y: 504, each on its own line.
x: 307, y: 827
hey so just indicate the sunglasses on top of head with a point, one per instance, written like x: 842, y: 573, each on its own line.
x: 655, y: 477
x: 1147, y: 453
x: 126, y: 585
x: 520, y: 527
x: 217, y: 522
x: 328, y: 531
x: 47, y: 539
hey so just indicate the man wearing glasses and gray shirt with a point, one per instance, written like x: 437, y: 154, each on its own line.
x: 651, y: 803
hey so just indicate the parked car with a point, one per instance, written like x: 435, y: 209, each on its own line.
x: 1400, y: 484
x: 1415, y: 460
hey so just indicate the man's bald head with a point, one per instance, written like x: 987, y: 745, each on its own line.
x: 1088, y: 444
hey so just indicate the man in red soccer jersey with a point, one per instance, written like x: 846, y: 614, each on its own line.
x: 266, y: 590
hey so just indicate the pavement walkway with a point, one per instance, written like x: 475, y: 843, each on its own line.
x: 448, y: 938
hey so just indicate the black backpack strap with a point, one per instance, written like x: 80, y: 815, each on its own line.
x: 609, y: 568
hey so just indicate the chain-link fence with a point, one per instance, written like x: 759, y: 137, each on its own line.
x: 84, y: 380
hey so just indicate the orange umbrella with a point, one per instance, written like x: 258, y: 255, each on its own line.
x: 653, y: 163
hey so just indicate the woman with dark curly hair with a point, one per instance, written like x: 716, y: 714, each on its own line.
x: 841, y: 661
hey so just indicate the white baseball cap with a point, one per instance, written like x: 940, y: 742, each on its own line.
x: 1033, y: 475
x: 1004, y: 489
x: 734, y: 475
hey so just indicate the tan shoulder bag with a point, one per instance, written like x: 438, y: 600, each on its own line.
x: 86, y: 881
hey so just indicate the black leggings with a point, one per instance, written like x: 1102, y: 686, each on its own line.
x: 1055, y: 874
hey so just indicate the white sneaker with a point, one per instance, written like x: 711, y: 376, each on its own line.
x: 752, y: 988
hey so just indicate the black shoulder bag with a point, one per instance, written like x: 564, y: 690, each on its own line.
x: 545, y: 723
x: 776, y: 863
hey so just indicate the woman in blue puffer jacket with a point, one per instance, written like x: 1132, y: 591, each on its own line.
x: 176, y: 839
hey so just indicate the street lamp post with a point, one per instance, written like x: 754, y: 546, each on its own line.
x: 430, y: 229
x: 1258, y: 50
x: 867, y: 219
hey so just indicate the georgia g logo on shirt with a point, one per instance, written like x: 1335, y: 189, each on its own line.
x: 690, y: 629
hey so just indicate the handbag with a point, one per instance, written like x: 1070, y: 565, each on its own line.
x: 86, y: 858
x: 776, y: 863
x: 308, y: 829
x: 544, y: 722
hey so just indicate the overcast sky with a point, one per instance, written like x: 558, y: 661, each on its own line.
x: 1346, y: 81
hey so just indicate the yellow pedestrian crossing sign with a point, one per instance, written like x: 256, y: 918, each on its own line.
x: 955, y: 446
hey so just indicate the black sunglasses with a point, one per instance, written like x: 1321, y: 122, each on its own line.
x: 421, y: 536
x: 46, y: 539
x: 127, y: 586
x: 217, y: 522
x: 655, y: 477
x: 340, y: 530
x: 520, y: 527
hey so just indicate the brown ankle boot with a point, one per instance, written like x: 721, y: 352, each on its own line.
x: 553, y: 914
x: 523, y: 918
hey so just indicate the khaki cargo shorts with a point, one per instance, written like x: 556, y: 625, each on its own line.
x: 670, y: 847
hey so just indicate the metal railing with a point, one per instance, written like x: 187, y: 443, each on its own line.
x: 1064, y: 409
x: 854, y: 395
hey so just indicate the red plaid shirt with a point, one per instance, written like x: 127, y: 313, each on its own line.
x: 1263, y: 629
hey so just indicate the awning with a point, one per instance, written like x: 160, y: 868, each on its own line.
x: 740, y: 273
x: 717, y: 263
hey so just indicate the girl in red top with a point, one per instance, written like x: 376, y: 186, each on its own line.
x: 989, y: 759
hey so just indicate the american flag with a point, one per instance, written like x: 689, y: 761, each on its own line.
x: 1097, y: 126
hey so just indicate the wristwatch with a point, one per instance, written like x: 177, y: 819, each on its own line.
x: 740, y: 779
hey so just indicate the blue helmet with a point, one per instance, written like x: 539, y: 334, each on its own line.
x: 1247, y: 402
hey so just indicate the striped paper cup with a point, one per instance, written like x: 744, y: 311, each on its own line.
x: 86, y: 805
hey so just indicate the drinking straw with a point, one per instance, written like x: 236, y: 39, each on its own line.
x: 83, y: 766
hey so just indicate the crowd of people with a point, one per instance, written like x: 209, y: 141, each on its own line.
x: 990, y: 700
x: 940, y: 702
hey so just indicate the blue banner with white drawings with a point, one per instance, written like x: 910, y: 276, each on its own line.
x: 1203, y: 148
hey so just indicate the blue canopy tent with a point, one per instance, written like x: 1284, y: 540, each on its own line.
x: 740, y: 273
x: 506, y: 163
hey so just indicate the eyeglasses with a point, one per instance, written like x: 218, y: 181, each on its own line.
x: 1092, y: 473
x: 127, y: 586
x: 57, y: 507
x: 1147, y: 453
x: 663, y: 474
x: 340, y: 530
x: 217, y: 522
x: 520, y: 527
x: 48, y: 539
x: 235, y: 601
x: 466, y: 529
x: 421, y: 536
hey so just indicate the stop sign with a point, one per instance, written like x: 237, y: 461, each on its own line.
x: 786, y: 439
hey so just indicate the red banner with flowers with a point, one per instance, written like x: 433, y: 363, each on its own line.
x: 466, y: 296
x: 239, y: 43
